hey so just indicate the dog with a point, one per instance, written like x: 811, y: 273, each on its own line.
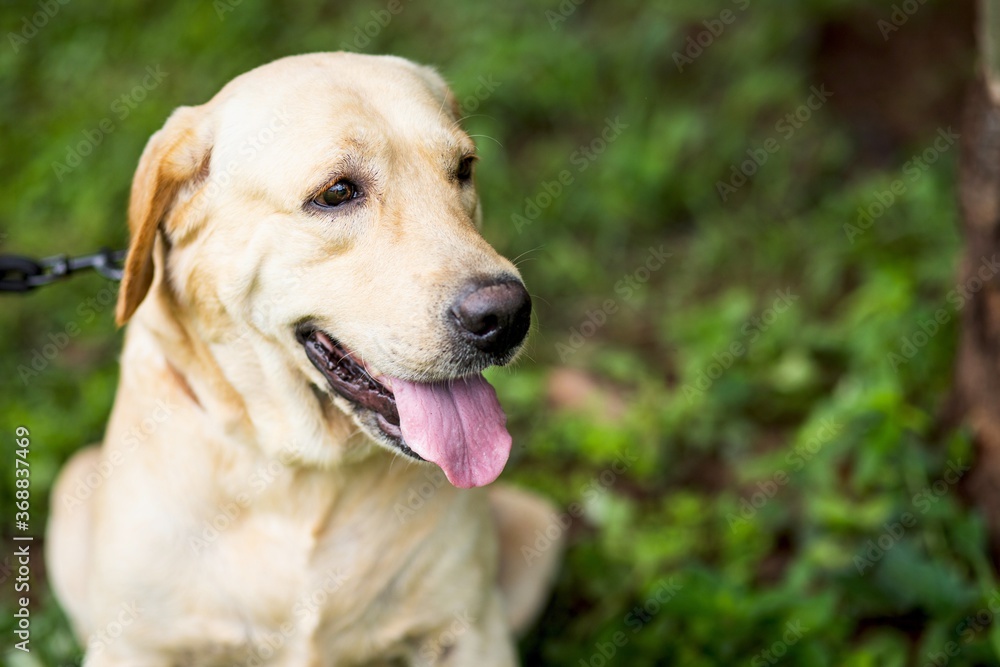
x: 293, y: 471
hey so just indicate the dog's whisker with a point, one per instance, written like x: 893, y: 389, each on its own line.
x: 526, y: 252
x: 528, y: 357
x: 474, y: 115
x: 444, y: 100
x: 486, y: 136
x: 535, y: 297
x: 362, y: 365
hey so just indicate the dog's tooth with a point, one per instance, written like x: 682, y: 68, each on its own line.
x: 325, y: 341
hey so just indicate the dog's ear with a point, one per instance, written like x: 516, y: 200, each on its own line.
x: 174, y: 156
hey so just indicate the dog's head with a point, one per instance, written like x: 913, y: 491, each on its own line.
x: 315, y: 225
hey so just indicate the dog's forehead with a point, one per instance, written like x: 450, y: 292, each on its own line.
x: 324, y: 90
x: 305, y: 112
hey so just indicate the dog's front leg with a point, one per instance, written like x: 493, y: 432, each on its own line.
x: 483, y: 641
x: 108, y: 659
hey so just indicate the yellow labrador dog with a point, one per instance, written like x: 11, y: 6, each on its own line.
x: 311, y: 307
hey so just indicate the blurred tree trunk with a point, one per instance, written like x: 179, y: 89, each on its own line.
x: 977, y: 373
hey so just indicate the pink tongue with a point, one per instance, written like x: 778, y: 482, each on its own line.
x: 457, y: 424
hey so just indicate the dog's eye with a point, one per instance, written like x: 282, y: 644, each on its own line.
x: 338, y: 193
x: 464, y: 171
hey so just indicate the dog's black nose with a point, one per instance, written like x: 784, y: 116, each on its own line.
x: 494, y: 317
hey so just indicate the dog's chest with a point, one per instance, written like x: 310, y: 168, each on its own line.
x: 350, y: 577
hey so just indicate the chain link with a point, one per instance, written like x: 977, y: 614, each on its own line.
x: 23, y: 274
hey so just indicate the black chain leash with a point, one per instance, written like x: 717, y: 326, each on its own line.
x: 23, y: 274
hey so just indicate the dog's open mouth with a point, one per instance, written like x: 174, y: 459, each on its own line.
x: 347, y: 377
x: 457, y: 424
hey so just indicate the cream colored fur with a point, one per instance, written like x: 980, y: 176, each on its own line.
x: 235, y: 514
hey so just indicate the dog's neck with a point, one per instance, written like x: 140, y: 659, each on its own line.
x: 329, y: 483
x: 240, y: 386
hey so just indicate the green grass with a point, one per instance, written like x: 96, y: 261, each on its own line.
x: 766, y: 453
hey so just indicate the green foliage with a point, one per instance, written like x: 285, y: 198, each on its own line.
x: 765, y: 485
